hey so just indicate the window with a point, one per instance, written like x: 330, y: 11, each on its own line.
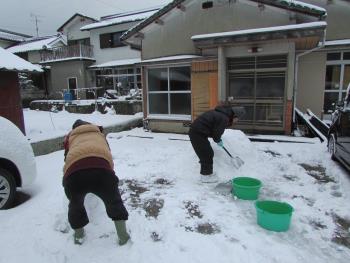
x: 110, y: 40
x: 119, y: 79
x: 169, y: 91
x: 337, y: 79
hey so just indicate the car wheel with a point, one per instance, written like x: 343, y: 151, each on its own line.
x: 7, y: 189
x: 331, y: 146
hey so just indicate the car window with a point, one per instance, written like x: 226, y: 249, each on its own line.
x: 345, y: 124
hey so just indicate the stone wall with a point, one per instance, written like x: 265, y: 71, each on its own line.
x: 127, y: 107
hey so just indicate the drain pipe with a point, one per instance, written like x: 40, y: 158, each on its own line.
x: 296, y: 68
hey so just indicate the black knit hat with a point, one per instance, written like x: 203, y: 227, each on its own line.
x: 78, y: 123
x: 238, y: 112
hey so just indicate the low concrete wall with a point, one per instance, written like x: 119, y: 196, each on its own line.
x: 128, y: 107
x: 56, y: 144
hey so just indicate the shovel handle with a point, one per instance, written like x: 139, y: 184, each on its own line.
x: 227, y: 151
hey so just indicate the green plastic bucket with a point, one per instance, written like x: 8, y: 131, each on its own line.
x: 246, y: 188
x: 273, y: 215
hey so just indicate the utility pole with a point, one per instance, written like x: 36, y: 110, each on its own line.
x: 36, y: 19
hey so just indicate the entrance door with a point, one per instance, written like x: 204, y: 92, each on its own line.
x: 258, y: 84
x: 72, y: 86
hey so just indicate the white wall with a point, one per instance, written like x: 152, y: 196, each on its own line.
x: 72, y: 30
x: 110, y: 54
x: 338, y: 17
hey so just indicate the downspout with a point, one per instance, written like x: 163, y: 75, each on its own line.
x: 296, y: 68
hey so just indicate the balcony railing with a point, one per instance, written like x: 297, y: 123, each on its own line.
x: 67, y: 52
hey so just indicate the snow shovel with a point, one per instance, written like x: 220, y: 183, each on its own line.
x: 236, y: 161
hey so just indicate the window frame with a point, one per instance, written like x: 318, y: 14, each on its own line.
x: 111, y: 40
x: 342, y: 63
x: 115, y: 73
x: 169, y: 116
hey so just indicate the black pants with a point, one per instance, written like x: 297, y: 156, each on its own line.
x: 101, y: 182
x: 205, y: 153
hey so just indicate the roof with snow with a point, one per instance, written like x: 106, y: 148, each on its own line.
x: 339, y: 42
x: 321, y: 24
x: 297, y: 32
x: 170, y: 58
x: 11, y: 62
x: 71, y: 19
x: 39, y: 43
x: 121, y: 18
x: 12, y: 36
x: 292, y: 5
x: 116, y: 63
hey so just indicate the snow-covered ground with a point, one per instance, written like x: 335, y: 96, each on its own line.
x: 175, y: 218
x: 43, y: 125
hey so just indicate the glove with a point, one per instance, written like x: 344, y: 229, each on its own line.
x: 220, y: 143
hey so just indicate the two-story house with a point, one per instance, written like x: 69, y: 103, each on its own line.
x: 116, y: 68
x: 33, y: 50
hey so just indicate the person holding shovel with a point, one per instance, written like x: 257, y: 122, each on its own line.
x: 89, y: 168
x: 211, y: 124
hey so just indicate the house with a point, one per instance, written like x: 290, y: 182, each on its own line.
x: 71, y: 29
x: 9, y: 38
x: 10, y: 98
x: 267, y: 55
x: 34, y: 50
x: 116, y: 66
x: 68, y: 63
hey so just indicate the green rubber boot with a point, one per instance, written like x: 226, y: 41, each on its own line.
x: 121, y: 231
x: 79, y: 235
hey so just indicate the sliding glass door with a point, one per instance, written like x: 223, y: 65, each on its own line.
x: 258, y: 83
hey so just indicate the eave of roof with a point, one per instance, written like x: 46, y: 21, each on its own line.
x: 11, y: 62
x: 340, y: 42
x: 119, y: 19
x: 117, y: 63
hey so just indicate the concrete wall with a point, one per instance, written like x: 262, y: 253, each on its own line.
x: 56, y: 144
x: 338, y: 17
x: 34, y: 56
x: 61, y: 71
x: 311, y: 82
x: 169, y: 126
x: 110, y: 54
x: 174, y: 37
x: 128, y: 107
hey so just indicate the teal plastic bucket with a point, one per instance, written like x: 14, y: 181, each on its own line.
x: 246, y: 188
x: 273, y: 215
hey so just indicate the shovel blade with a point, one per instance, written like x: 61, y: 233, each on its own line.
x: 237, y: 162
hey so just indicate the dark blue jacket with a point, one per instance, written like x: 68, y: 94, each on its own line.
x: 213, y: 123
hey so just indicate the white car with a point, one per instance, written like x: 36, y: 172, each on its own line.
x: 17, y: 163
